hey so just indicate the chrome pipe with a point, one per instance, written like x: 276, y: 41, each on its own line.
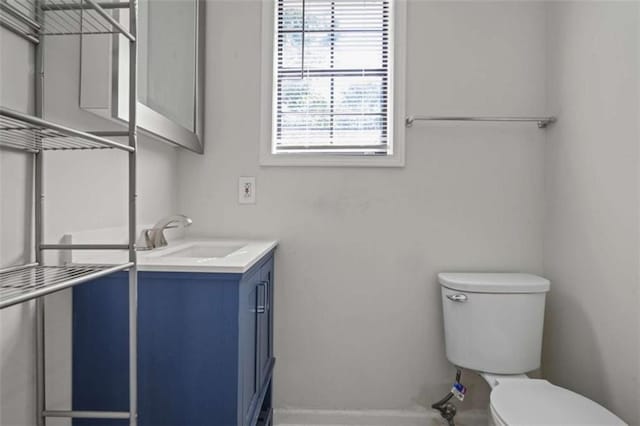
x: 542, y: 122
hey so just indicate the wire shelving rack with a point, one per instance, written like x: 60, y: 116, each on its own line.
x: 29, y: 281
x: 34, y: 20
x: 32, y: 134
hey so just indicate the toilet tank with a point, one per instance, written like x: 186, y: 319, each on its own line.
x: 493, y: 321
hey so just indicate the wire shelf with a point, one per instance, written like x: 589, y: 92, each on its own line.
x: 28, y: 282
x: 63, y: 17
x: 32, y: 134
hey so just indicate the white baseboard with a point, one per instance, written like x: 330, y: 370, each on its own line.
x: 306, y: 417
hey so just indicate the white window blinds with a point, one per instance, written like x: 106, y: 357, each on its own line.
x: 332, y: 77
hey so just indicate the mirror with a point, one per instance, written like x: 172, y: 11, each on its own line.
x: 170, y: 71
x: 167, y: 40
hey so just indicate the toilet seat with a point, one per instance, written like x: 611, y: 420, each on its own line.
x: 538, y: 402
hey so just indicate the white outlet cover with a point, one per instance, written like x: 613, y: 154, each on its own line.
x: 247, y: 190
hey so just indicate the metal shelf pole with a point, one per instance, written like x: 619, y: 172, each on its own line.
x: 39, y: 225
x: 38, y: 191
x: 133, y: 272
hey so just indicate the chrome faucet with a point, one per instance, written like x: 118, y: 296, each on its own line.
x: 154, y: 237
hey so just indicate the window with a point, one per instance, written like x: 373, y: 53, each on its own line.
x: 332, y: 83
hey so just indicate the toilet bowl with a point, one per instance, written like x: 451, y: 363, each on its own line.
x: 520, y: 400
x: 493, y: 325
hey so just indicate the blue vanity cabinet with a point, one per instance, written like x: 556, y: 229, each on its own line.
x: 205, y: 348
x: 262, y: 347
x: 265, y: 322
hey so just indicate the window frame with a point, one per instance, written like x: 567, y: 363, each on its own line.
x: 397, y: 35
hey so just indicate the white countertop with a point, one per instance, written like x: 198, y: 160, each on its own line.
x: 188, y: 255
x: 243, y: 255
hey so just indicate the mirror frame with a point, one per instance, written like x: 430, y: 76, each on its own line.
x: 150, y: 121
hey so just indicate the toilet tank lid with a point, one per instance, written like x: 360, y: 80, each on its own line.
x: 494, y: 282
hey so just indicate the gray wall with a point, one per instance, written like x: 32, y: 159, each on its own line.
x: 358, y: 318
x: 591, y: 219
x: 85, y: 190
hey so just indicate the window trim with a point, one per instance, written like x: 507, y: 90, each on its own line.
x: 397, y: 35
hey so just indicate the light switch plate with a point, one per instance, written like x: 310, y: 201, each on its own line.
x: 247, y: 190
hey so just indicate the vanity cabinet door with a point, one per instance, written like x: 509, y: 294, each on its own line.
x: 256, y: 341
x: 265, y: 320
x: 249, y: 299
x: 186, y: 365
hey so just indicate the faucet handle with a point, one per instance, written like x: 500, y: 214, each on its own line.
x: 144, y: 240
x: 158, y: 239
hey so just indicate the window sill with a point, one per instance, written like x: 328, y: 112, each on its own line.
x: 324, y: 160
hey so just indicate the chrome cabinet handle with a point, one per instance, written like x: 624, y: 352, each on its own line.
x: 457, y: 297
x: 262, y: 307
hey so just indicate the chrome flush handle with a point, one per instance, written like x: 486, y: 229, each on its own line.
x: 457, y: 297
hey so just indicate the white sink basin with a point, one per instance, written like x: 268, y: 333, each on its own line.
x: 202, y: 250
x: 205, y: 255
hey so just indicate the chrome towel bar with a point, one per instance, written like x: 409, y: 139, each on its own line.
x: 542, y: 122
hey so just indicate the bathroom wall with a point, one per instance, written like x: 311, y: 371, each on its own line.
x: 592, y: 250
x: 16, y: 326
x: 85, y: 190
x: 358, y: 318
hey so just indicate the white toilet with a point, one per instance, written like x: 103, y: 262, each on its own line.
x: 493, y: 325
